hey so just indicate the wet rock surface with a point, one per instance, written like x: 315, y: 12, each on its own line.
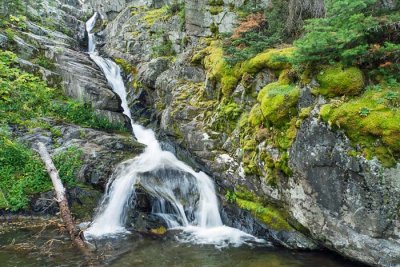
x: 102, y: 151
x: 245, y: 221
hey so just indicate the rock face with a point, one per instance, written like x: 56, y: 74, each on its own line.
x: 349, y: 201
x: 344, y: 203
x: 80, y: 78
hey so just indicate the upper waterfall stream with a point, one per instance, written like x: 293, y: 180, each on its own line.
x: 185, y: 199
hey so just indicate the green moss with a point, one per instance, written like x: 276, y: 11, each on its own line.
x: 153, y: 15
x: 227, y: 116
x: 275, y: 59
x: 256, y: 116
x: 278, y: 102
x: 378, y: 132
x: 215, y: 2
x: 89, y: 199
x: 126, y: 67
x: 214, y: 29
x: 159, y: 231
x: 275, y: 218
x: 337, y: 80
x: 250, y: 145
x: 285, y: 137
x: 272, y: 217
x: 215, y: 10
x: 305, y: 112
x: 199, y: 56
x: 217, y: 67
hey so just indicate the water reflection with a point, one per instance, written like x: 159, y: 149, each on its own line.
x: 46, y: 246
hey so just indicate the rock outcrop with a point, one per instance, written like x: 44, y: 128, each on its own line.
x: 63, y: 42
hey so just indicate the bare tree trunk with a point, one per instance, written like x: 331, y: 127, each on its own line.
x: 300, y: 10
x: 62, y: 200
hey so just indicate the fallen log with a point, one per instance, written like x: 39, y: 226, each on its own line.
x: 61, y: 198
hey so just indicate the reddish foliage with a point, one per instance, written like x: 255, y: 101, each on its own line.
x: 251, y: 22
x: 387, y: 64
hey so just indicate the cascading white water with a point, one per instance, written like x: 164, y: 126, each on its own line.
x: 162, y: 175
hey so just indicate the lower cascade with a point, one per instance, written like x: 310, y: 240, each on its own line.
x: 185, y: 199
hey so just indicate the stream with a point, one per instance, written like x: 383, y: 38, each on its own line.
x: 38, y: 246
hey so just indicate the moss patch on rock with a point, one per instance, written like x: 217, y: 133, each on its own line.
x: 158, y: 231
x: 125, y: 66
x: 371, y: 121
x: 219, y: 69
x: 337, y: 81
x: 153, y: 15
x: 278, y: 102
x: 275, y: 59
x: 227, y: 115
x: 275, y: 218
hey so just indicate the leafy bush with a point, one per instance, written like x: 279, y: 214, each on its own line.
x: 68, y: 163
x: 44, y: 62
x: 25, y: 98
x: 22, y: 172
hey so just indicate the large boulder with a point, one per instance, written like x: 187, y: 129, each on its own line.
x: 347, y: 201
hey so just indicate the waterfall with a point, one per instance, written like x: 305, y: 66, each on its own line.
x: 186, y: 198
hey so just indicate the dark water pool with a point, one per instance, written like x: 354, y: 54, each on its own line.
x: 41, y: 245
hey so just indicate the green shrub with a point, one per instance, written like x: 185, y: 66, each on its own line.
x: 355, y: 32
x: 68, y: 163
x: 25, y: 99
x: 23, y: 175
x: 164, y: 49
x: 44, y: 62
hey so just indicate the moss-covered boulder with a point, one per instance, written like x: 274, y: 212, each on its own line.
x: 337, y: 81
x: 278, y: 102
x: 275, y: 59
x: 371, y: 121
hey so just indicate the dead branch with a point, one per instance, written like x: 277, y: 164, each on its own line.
x: 62, y: 200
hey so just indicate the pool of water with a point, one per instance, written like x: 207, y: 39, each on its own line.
x: 44, y: 245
